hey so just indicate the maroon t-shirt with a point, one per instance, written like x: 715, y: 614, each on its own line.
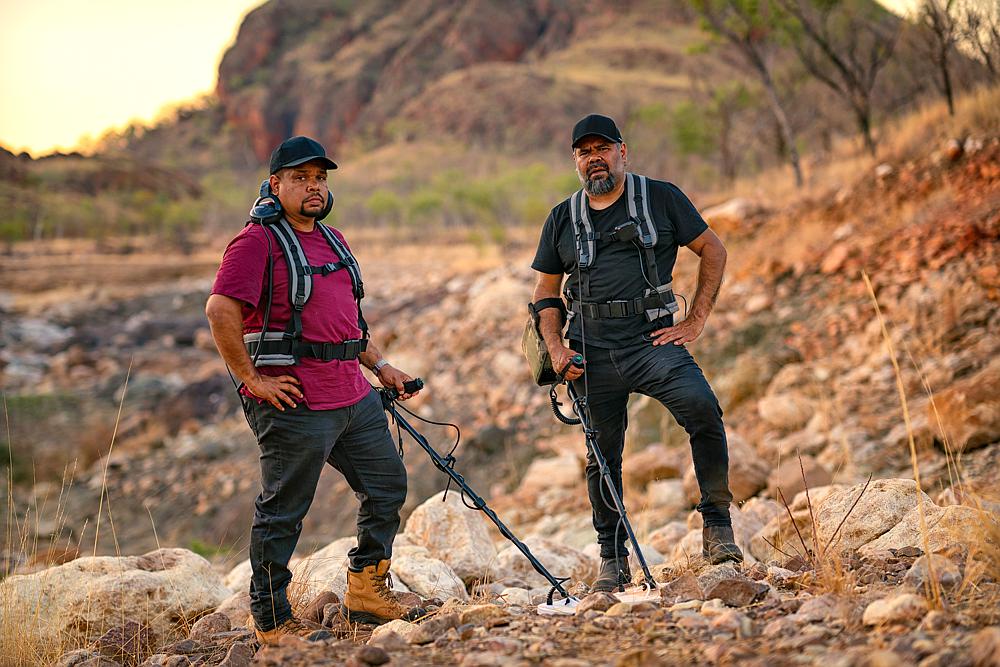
x: 330, y: 315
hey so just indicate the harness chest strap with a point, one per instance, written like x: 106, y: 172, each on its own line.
x: 274, y: 348
x: 657, y: 301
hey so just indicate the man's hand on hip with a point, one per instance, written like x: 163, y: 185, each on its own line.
x: 679, y: 334
x: 561, y: 355
x: 394, y: 378
x: 279, y: 390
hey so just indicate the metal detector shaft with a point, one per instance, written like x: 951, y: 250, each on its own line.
x: 444, y: 465
x: 579, y: 406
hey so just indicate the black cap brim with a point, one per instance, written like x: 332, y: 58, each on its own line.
x: 327, y: 162
x: 595, y: 134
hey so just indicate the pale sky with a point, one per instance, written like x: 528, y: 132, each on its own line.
x: 70, y: 69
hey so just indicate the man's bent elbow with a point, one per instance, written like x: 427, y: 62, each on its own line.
x: 218, y: 307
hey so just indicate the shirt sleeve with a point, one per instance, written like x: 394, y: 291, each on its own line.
x: 241, y: 274
x: 547, y: 258
x: 685, y: 217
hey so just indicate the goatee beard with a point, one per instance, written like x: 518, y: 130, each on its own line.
x: 600, y: 186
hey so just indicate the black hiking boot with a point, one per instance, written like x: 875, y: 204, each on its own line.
x: 613, y: 576
x: 718, y: 545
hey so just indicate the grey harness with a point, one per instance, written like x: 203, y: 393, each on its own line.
x: 658, y: 300
x: 284, y: 348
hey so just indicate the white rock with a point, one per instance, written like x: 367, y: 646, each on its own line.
x: 453, y: 533
x: 516, y: 596
x: 426, y: 576
x: 883, y: 504
x: 514, y: 569
x: 87, y: 596
x: 947, y: 527
x: 238, y: 578
x: 383, y: 634
x: 898, y: 609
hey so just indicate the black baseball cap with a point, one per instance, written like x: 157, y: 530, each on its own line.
x: 299, y: 150
x: 598, y: 125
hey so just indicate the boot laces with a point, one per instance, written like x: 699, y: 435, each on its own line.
x: 383, y: 586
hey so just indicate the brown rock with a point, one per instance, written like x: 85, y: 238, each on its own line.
x: 371, y: 655
x: 129, y: 644
x: 737, y: 592
x: 239, y: 655
x: 314, y: 611
x: 657, y: 461
x: 967, y: 414
x: 682, y: 589
x: 211, y: 624
x: 944, y: 570
x: 599, y: 601
x: 483, y: 614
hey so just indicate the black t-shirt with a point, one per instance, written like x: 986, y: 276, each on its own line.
x: 617, y: 269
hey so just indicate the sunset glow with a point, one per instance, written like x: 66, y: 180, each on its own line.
x: 71, y: 70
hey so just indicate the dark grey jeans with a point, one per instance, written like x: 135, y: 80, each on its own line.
x: 669, y: 374
x: 294, y: 446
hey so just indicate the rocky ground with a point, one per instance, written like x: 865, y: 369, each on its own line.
x: 795, y: 351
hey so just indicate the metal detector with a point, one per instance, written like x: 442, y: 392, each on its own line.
x: 644, y: 590
x: 446, y: 464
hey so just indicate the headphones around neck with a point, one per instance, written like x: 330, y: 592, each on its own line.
x: 266, y: 210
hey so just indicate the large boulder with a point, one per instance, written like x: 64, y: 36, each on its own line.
x: 948, y: 528
x: 513, y: 568
x: 882, y: 505
x: 747, y: 471
x: 778, y: 539
x: 967, y: 414
x: 453, y: 533
x: 427, y: 576
x: 84, y: 598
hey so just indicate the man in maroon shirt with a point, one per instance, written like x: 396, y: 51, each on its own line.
x: 317, y: 411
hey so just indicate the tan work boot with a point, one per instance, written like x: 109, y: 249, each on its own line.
x: 370, y: 599
x: 294, y: 626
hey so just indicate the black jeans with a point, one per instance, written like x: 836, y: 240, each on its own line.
x: 294, y: 446
x: 669, y: 374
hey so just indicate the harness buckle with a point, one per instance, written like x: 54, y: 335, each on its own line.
x: 619, y: 308
x: 353, y: 348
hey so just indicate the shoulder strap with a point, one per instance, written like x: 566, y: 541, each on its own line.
x: 351, y: 264
x: 638, y: 208
x: 583, y: 228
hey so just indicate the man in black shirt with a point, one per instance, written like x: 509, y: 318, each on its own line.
x: 617, y: 241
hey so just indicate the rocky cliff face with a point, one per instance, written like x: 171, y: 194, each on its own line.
x: 337, y: 70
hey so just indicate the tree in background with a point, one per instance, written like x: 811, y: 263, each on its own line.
x: 753, y: 28
x: 980, y: 29
x: 940, y: 36
x: 843, y: 44
x: 705, y: 125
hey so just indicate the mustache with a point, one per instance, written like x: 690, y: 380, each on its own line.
x: 597, y: 165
